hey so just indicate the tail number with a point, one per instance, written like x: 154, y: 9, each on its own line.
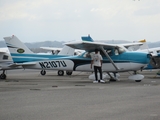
x: 52, y: 64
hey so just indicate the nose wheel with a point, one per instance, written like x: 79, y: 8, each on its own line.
x: 136, y: 77
x: 3, y: 75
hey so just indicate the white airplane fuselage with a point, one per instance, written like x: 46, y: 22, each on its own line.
x: 127, y: 61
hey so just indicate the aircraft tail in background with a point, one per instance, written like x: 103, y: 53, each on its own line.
x: 144, y: 46
x: 87, y: 38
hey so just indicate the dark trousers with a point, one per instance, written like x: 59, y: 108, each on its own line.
x: 100, y: 71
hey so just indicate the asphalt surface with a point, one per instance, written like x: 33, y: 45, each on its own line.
x: 26, y: 95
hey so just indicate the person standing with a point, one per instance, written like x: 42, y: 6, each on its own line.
x: 97, y: 63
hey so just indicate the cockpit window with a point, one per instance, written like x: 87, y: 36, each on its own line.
x: 5, y: 57
x: 116, y: 51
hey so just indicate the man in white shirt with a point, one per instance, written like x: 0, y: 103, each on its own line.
x: 97, y: 62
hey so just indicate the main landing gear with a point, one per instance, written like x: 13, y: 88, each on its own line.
x: 113, y: 76
x: 60, y: 72
x: 3, y: 75
x: 43, y: 72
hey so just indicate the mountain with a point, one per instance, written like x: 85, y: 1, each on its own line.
x: 35, y: 47
x: 39, y: 44
x: 45, y: 44
x: 154, y: 44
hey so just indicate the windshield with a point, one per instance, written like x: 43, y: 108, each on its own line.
x: 120, y: 50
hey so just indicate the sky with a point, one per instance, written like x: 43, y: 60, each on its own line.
x: 68, y: 20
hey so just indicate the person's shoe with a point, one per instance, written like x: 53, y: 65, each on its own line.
x: 102, y: 81
x: 95, y: 81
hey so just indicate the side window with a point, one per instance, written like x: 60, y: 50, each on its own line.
x: 121, y: 50
x: 5, y: 57
x: 88, y: 54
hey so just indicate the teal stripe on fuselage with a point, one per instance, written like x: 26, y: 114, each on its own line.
x: 134, y: 57
x: 20, y: 58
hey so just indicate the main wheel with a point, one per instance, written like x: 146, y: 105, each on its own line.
x: 69, y: 72
x: 43, y: 72
x: 3, y: 76
x: 60, y: 72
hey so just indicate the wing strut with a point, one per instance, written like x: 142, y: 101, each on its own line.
x: 109, y: 58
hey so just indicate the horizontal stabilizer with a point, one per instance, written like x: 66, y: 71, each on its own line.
x: 22, y: 64
x: 66, y: 51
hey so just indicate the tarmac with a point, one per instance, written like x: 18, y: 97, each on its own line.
x: 26, y: 95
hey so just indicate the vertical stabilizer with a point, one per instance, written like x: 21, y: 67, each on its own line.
x: 16, y: 46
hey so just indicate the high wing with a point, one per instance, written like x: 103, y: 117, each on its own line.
x: 126, y: 45
x: 90, y: 46
x: 132, y: 44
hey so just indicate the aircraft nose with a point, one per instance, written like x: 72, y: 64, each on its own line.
x: 148, y: 58
x: 142, y: 57
x: 152, y: 59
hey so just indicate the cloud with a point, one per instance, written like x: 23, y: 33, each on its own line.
x: 102, y: 18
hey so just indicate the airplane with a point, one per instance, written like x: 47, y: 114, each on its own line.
x: 6, y: 61
x: 140, y: 45
x: 116, y: 58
